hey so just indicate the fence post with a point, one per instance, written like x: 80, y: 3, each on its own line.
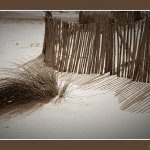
x: 44, y: 43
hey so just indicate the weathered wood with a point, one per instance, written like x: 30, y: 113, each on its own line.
x: 68, y: 37
x: 70, y: 44
x: 100, y: 46
x: 148, y: 51
x: 59, y: 41
x: 73, y: 48
x: 123, y: 57
x: 111, y: 46
x: 82, y: 49
x: 63, y: 46
x: 142, y: 59
x: 114, y: 45
x: 94, y: 54
x: 127, y: 52
x: 97, y: 47
x: 76, y: 50
x: 45, y: 35
x: 79, y: 49
x: 103, y: 49
x: 82, y: 64
x: 136, y: 70
x: 87, y: 40
x: 107, y: 69
x: 133, y: 63
x: 118, y: 51
x: 88, y: 49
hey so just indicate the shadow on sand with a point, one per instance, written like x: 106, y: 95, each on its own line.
x: 133, y: 96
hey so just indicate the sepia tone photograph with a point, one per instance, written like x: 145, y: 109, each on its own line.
x: 74, y: 74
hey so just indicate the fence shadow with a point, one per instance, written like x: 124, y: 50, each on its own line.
x: 133, y: 96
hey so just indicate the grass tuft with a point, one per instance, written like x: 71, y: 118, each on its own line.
x: 30, y: 83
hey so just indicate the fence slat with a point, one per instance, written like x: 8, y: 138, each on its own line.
x: 73, y: 48
x: 76, y: 49
x: 111, y: 46
x: 79, y: 49
x: 123, y: 57
x: 93, y: 58
x: 87, y: 40
x: 103, y: 49
x: 136, y: 68
x: 129, y: 52
x: 118, y: 50
x: 86, y: 34
x: 114, y: 46
x: 82, y: 50
x: 97, y: 47
x: 107, y: 67
x: 88, y: 48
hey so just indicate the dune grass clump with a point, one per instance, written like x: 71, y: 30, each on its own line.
x: 28, y: 83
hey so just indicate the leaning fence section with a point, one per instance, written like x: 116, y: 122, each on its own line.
x: 133, y: 51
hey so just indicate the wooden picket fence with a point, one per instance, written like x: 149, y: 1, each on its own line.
x: 108, y: 45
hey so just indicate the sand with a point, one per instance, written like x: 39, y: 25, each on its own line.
x: 99, y: 106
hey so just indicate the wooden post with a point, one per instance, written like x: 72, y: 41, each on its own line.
x: 118, y: 51
x: 59, y: 44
